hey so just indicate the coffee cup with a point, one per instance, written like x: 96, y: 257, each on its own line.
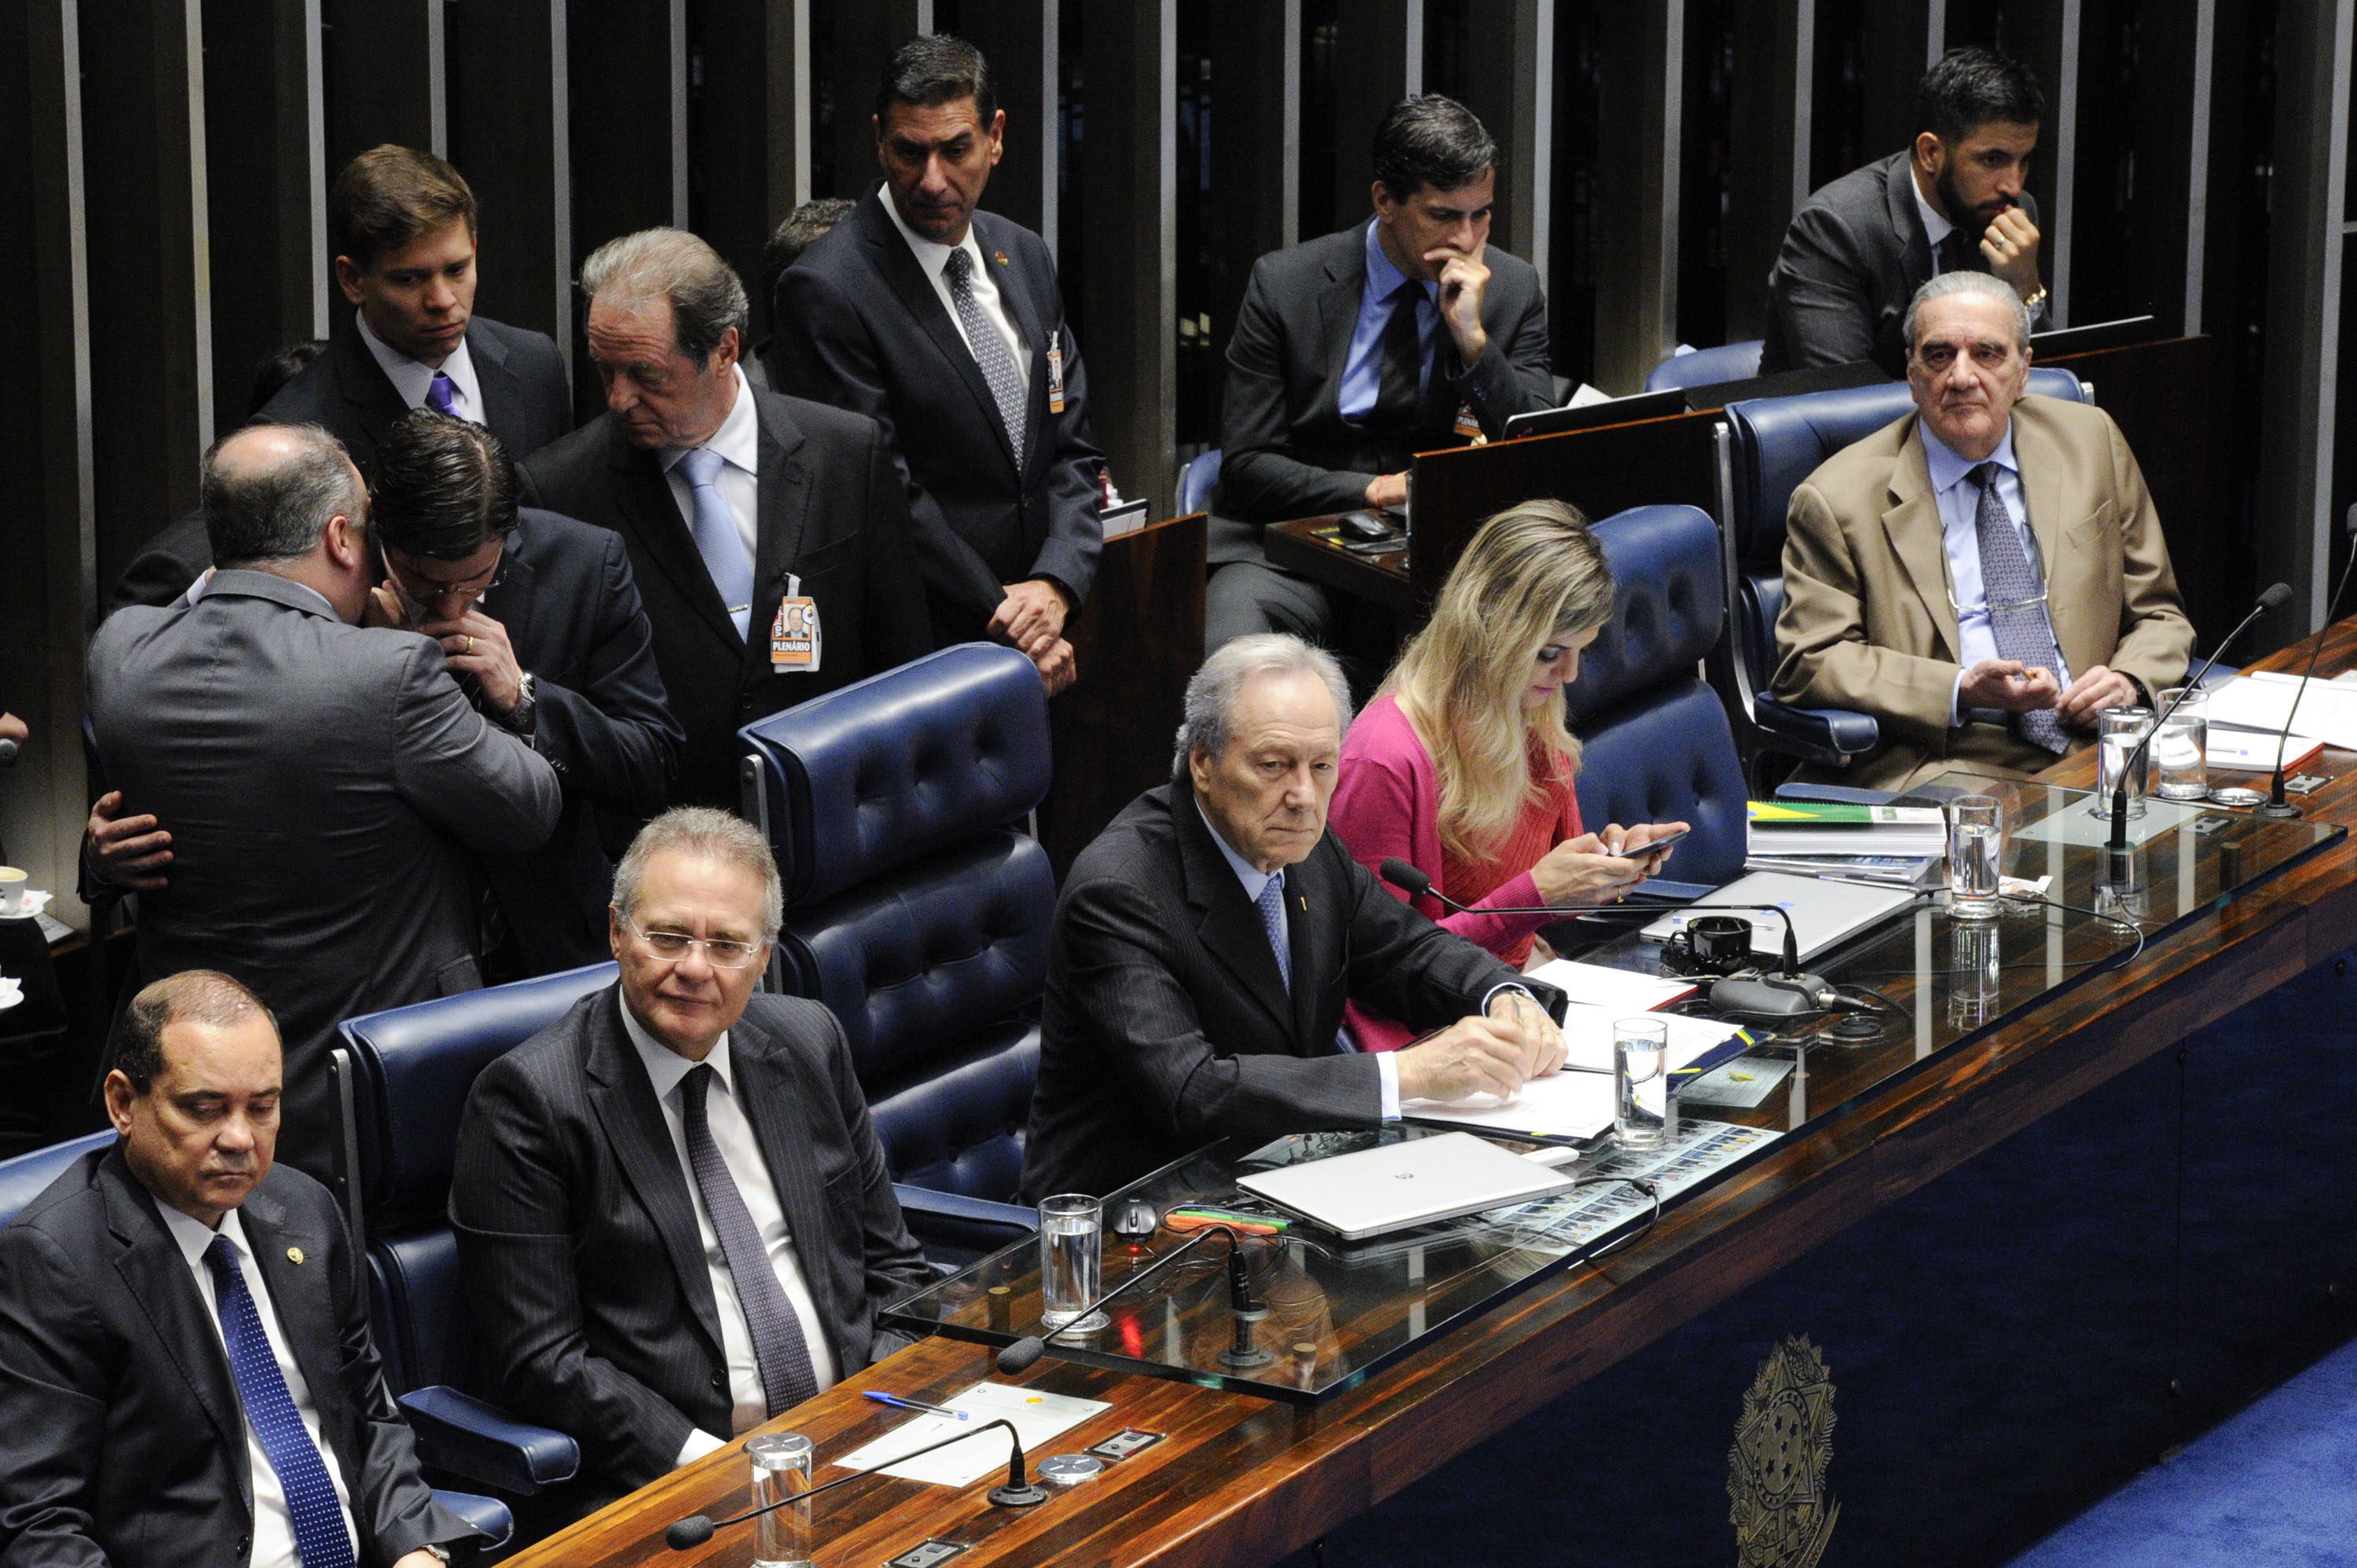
x: 13, y: 883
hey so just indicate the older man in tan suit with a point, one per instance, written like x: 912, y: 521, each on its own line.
x: 1985, y: 575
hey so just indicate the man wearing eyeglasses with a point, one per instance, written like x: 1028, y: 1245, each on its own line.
x: 1986, y: 574
x: 672, y: 1213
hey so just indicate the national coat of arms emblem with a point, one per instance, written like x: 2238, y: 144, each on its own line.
x: 1776, y: 1472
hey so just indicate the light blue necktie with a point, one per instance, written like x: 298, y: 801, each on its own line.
x: 1270, y: 904
x: 2017, y: 605
x: 716, y: 539
x: 320, y: 1537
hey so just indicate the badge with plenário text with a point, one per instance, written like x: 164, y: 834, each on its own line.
x: 795, y: 644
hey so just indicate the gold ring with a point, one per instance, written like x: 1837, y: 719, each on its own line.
x: 470, y: 647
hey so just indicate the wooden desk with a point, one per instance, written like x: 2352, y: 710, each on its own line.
x: 1243, y: 1481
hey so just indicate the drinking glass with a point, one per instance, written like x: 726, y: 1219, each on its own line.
x: 1641, y: 1103
x: 1974, y: 972
x: 1072, y: 1259
x: 1976, y: 855
x: 2179, y: 752
x: 781, y: 1468
x: 2118, y: 732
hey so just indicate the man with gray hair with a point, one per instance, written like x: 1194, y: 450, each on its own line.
x: 769, y: 535
x: 1206, y: 942
x: 1985, y: 575
x: 319, y: 777
x: 672, y: 1213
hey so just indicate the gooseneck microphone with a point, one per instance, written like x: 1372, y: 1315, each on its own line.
x: 1017, y: 1492
x: 2275, y: 598
x: 1021, y: 1355
x: 2275, y: 805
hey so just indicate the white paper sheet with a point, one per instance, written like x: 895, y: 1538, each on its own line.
x: 1037, y: 1417
x: 1588, y: 1031
x: 1599, y: 986
x: 1569, y: 1105
x: 2263, y: 700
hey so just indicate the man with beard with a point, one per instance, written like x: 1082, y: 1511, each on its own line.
x: 1860, y: 249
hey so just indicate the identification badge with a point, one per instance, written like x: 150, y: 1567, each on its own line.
x: 1056, y: 374
x: 1469, y: 425
x: 794, y: 642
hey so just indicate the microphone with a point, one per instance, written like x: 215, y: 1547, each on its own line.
x: 1017, y: 1492
x: 1790, y: 993
x: 2276, y: 806
x: 1024, y: 1352
x: 2275, y: 598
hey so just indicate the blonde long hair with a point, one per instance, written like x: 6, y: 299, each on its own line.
x: 1533, y: 574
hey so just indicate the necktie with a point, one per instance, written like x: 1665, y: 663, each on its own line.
x: 1271, y: 919
x: 2017, y: 614
x: 1960, y: 253
x: 1399, y: 390
x: 779, y: 1347
x: 716, y: 539
x: 437, y: 394
x: 320, y: 1538
x: 990, y: 350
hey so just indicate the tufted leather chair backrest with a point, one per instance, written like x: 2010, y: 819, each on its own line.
x: 25, y: 1176
x: 1655, y: 743
x: 888, y: 770
x: 1708, y: 367
x: 917, y: 910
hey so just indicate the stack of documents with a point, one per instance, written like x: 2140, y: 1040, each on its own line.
x: 2263, y: 701
x: 1577, y: 1101
x: 1902, y: 847
x: 1036, y: 1414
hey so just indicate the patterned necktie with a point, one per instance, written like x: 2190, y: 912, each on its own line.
x: 779, y: 1347
x: 1399, y: 389
x: 990, y: 350
x: 437, y: 394
x: 716, y: 539
x: 320, y: 1538
x: 1960, y: 253
x: 2017, y: 609
x: 1270, y: 904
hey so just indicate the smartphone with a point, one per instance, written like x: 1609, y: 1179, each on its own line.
x: 1646, y: 849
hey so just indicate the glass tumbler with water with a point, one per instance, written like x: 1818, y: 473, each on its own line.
x: 1071, y: 1259
x: 2118, y: 732
x: 1976, y: 856
x: 1640, y: 1061
x: 2181, y: 764
x: 781, y: 1468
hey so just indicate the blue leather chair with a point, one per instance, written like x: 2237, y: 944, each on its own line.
x: 403, y: 1077
x: 1655, y: 745
x: 23, y: 1178
x: 1767, y: 446
x: 1708, y: 367
x: 1195, y: 482
x: 917, y: 909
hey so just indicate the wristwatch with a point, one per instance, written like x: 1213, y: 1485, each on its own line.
x: 2035, y: 300
x: 438, y: 1550
x: 524, y: 719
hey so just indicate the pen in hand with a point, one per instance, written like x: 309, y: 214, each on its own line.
x: 898, y: 1403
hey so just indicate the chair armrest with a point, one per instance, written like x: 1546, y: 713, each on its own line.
x: 969, y: 1224
x: 467, y: 1437
x: 1817, y: 734
x: 492, y: 1518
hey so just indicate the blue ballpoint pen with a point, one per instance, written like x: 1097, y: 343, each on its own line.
x: 881, y: 1398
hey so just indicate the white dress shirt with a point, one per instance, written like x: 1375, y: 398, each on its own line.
x: 1959, y: 540
x: 935, y: 258
x: 732, y: 1134
x: 273, y: 1526
x: 738, y: 442
x: 413, y: 381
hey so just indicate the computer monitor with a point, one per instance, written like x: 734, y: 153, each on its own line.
x: 1595, y: 415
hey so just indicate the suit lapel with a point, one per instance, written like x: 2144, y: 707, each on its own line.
x: 1310, y: 912
x: 376, y: 401
x: 784, y: 490
x: 510, y: 603
x: 644, y: 498
x: 2044, y: 467
x: 770, y: 1094
x: 1337, y: 318
x: 633, y: 1123
x: 1227, y: 923
x: 898, y: 264
x: 156, y: 1272
x: 1906, y: 222
x: 496, y: 387
x: 1912, y: 526
x: 299, y: 1294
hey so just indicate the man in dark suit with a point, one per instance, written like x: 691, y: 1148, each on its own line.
x: 186, y: 1374
x: 945, y: 324
x: 1858, y: 249
x: 315, y: 775
x: 672, y: 1214
x: 769, y: 535
x: 402, y: 223
x: 1206, y: 942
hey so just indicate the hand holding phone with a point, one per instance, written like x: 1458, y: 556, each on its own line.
x: 1637, y: 851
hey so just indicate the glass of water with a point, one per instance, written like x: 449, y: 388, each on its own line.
x: 2181, y: 762
x: 1976, y: 855
x: 1071, y: 1261
x: 1640, y: 1061
x: 2118, y: 732
x: 781, y: 1468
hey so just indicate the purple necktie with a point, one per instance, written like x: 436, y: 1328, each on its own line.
x: 437, y: 396
x: 779, y: 1347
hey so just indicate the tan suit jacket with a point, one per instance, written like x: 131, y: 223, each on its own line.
x: 1869, y: 623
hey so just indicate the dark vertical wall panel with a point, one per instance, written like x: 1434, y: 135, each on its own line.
x: 1012, y: 35
x: 382, y: 61
x: 1130, y: 269
x: 1769, y: 107
x: 1643, y: 50
x: 1243, y: 203
x: 861, y: 35
x: 510, y: 136
x: 749, y: 89
x: 626, y: 89
x: 1378, y: 58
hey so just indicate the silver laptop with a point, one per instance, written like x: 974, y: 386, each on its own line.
x: 1824, y: 914
x: 1414, y: 1182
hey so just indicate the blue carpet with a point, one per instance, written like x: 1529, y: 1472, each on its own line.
x: 2273, y: 1488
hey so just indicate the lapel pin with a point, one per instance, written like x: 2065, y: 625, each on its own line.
x: 294, y: 1256
x: 1001, y: 255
